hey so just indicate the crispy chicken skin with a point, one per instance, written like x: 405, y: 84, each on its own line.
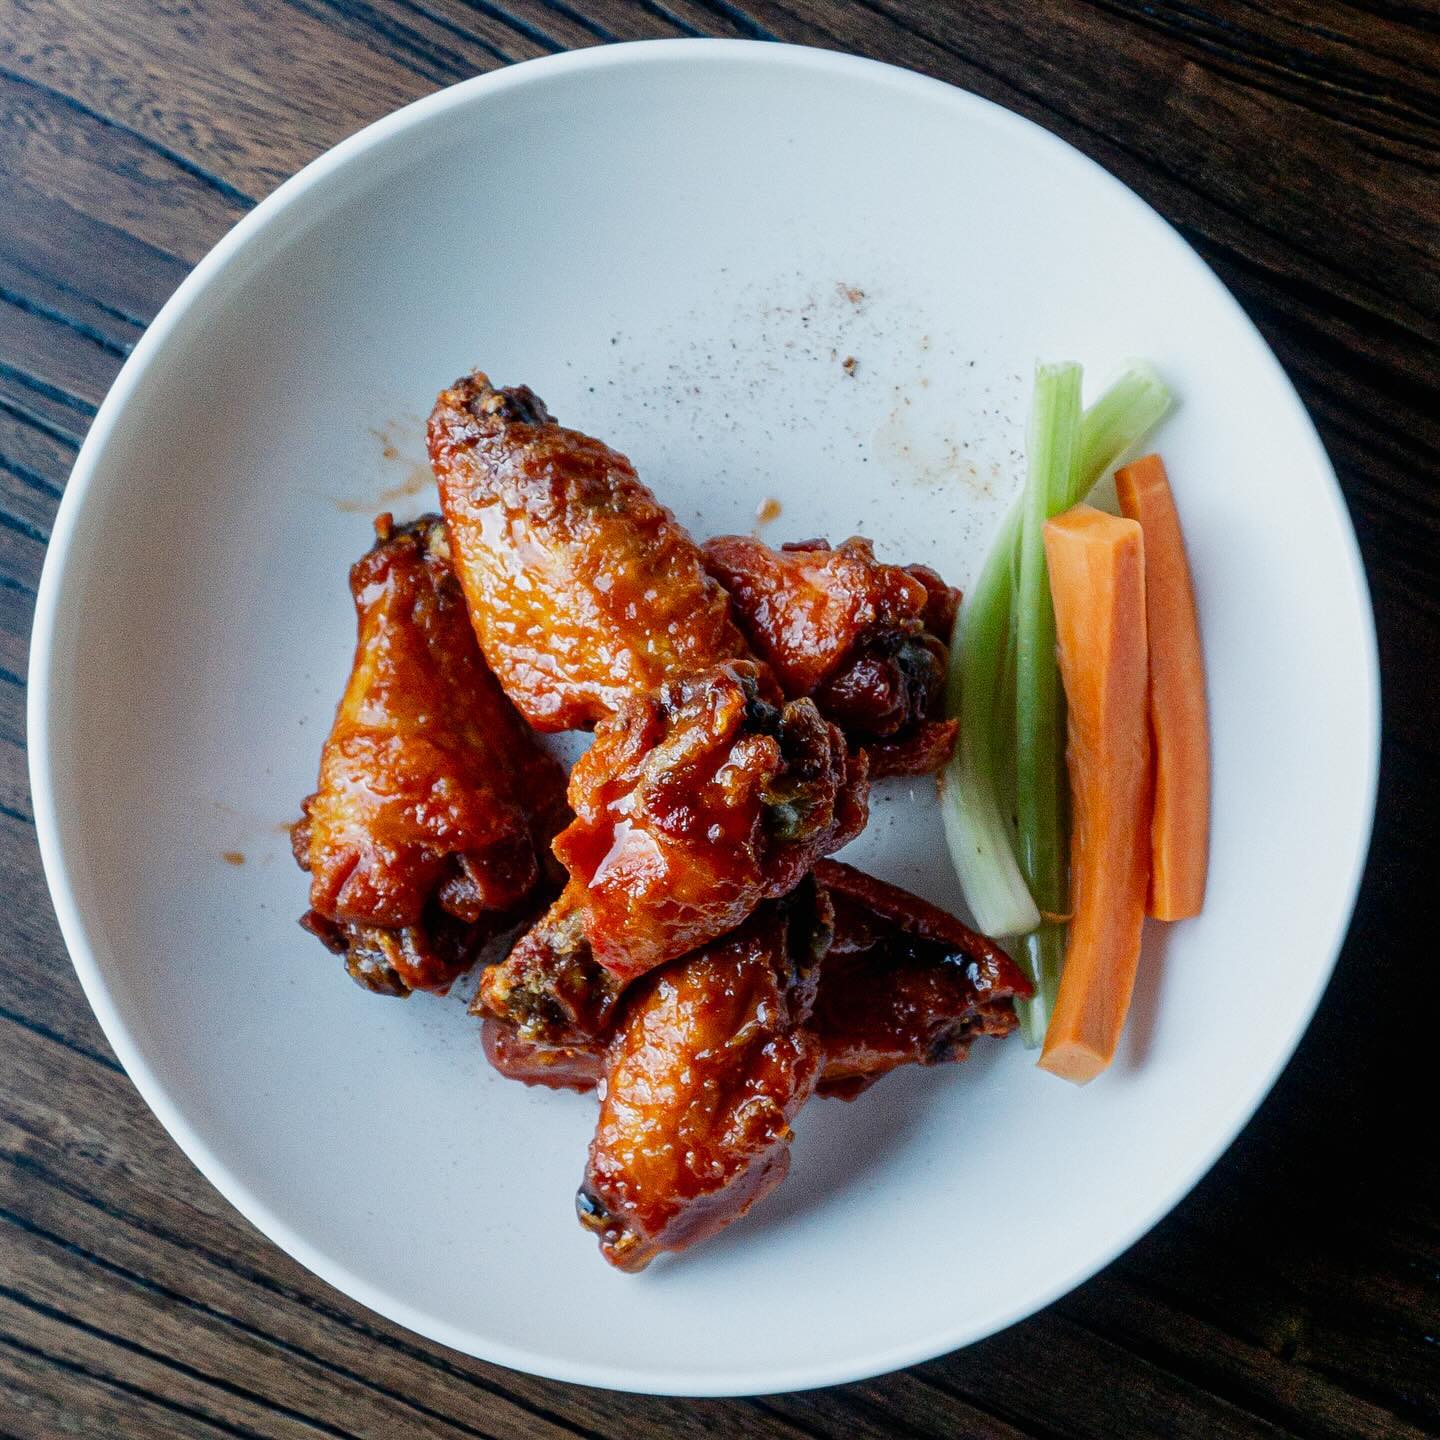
x: 866, y: 640
x: 708, y: 1067
x: 549, y: 992
x: 904, y: 983
x: 695, y: 803
x: 583, y: 589
x: 435, y: 807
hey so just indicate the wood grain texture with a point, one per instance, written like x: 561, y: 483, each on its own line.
x: 1296, y: 1292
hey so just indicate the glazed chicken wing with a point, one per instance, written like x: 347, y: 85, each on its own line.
x: 867, y: 641
x: 696, y: 803
x: 432, y: 820
x: 904, y: 983
x: 708, y: 1068
x: 584, y: 590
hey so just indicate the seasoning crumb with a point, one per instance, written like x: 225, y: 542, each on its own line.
x: 853, y: 293
x: 232, y: 857
x: 767, y: 510
x: 848, y: 365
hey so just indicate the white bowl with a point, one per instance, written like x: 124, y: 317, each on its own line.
x: 678, y: 245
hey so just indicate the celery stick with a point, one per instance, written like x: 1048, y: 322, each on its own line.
x: 1040, y: 783
x: 1117, y: 422
x: 976, y: 827
x: 977, y: 793
x: 1004, y: 717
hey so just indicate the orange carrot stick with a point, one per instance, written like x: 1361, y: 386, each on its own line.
x: 1097, y: 584
x: 1180, y: 832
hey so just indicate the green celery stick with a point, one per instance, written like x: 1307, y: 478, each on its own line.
x: 1040, y: 781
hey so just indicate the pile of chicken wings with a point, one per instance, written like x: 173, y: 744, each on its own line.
x: 684, y: 948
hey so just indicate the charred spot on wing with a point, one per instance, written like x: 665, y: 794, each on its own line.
x: 760, y: 715
x: 811, y: 927
x: 514, y: 405
x: 949, y: 1046
x: 620, y: 1244
x: 922, y: 660
x: 800, y: 800
x: 591, y: 1210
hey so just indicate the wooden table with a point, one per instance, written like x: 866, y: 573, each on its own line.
x: 1297, y: 1291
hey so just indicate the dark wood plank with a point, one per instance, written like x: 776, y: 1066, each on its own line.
x: 14, y: 792
x: 33, y: 456
x: 22, y: 551
x: 214, y: 93
x: 108, y: 175
x: 1057, y: 1378
x: 89, y: 1350
x: 63, y: 1287
x: 118, y: 291
x: 1298, y: 147
x: 898, y: 1405
x: 46, y: 1396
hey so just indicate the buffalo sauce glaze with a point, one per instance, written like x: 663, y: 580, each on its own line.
x: 584, y: 590
x: 708, y: 1067
x: 435, y: 805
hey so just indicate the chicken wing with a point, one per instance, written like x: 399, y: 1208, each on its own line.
x: 583, y: 589
x: 708, y: 1067
x: 431, y: 824
x: 696, y: 803
x: 867, y: 641
x: 904, y: 983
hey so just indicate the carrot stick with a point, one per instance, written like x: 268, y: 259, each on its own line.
x: 1097, y: 582
x: 1180, y: 832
